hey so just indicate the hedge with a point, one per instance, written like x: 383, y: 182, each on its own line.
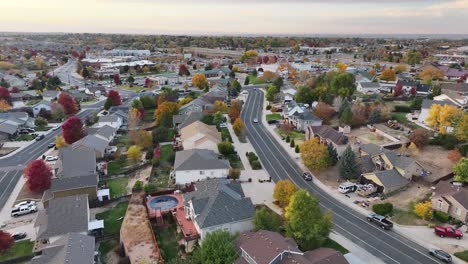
x: 382, y: 208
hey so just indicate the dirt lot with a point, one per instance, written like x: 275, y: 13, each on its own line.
x: 415, y: 192
x: 393, y: 132
x: 364, y: 135
x: 434, y: 159
x: 330, y: 176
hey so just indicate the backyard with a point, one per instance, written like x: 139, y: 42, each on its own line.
x: 113, y: 218
x: 255, y: 80
x: 106, y: 247
x: 19, y: 249
x: 118, y: 187
x: 167, y: 154
x: 116, y: 167
x: 167, y: 241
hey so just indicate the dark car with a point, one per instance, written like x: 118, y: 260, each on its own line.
x: 380, y: 221
x: 18, y: 236
x: 307, y: 176
x: 440, y: 254
x: 51, y: 145
x: 40, y: 137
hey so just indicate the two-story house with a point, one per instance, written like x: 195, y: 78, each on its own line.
x: 198, y: 164
x: 451, y: 199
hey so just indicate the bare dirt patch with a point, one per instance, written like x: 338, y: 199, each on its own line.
x: 142, y: 175
x: 330, y: 176
x: 434, y: 159
x: 415, y: 192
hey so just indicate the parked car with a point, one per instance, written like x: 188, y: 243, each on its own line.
x: 25, y: 203
x: 19, y: 236
x: 51, y: 158
x: 440, y: 254
x: 255, y: 120
x: 40, y: 137
x: 448, y: 231
x: 223, y: 125
x: 380, y: 220
x: 51, y: 145
x: 347, y: 187
x: 56, y: 127
x: 23, y: 210
x: 307, y: 176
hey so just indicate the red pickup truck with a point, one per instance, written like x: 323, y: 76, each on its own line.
x: 443, y: 231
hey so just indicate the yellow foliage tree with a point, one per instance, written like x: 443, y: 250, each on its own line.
x: 461, y: 131
x: 341, y: 66
x: 185, y: 101
x: 284, y: 189
x: 143, y: 139
x: 269, y: 76
x: 165, y: 110
x: 314, y: 154
x: 431, y: 73
x: 388, y: 75
x: 199, y: 80
x: 249, y: 54
x: 414, y: 149
x: 400, y: 68
x: 238, y: 126
x: 60, y: 142
x: 442, y: 117
x: 423, y: 210
x: 220, y: 106
x: 134, y: 154
x: 4, y: 105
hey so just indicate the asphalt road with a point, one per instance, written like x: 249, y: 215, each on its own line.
x: 11, y: 167
x: 67, y: 73
x: 386, y: 245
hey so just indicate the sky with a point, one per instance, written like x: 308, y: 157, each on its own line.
x: 236, y: 16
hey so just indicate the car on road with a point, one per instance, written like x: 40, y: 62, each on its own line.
x: 23, y: 210
x: 56, y: 127
x: 255, y: 120
x: 25, y: 203
x: 51, y: 145
x: 448, y: 231
x: 440, y: 254
x: 19, y: 235
x: 380, y: 220
x: 51, y: 158
x: 307, y: 176
x: 40, y: 137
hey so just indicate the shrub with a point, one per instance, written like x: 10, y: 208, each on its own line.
x: 149, y: 155
x: 402, y: 108
x: 293, y: 144
x: 383, y: 208
x: 256, y: 165
x: 441, y: 216
x: 234, y: 173
x: 423, y: 210
x: 288, y: 139
x: 150, y: 187
x: 156, y: 162
x: 268, y: 107
x: 138, y: 186
x: 457, y: 222
x: 225, y: 148
x: 297, y: 150
x: 448, y: 141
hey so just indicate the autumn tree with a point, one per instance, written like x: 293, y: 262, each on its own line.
x: 4, y: 94
x: 143, y: 139
x: 199, y: 80
x: 266, y: 219
x: 454, y: 155
x: 248, y: 55
x: 4, y: 105
x: 420, y: 137
x: 234, y: 110
x: 423, y: 210
x: 116, y: 79
x: 163, y: 115
x: 114, y: 97
x: 60, y: 142
x: 6, y: 241
x: 183, y: 71
x: 314, y: 154
x: 398, y: 90
x: 324, y: 111
x: 341, y: 67
x: 388, y: 75
x: 73, y: 130
x: 413, y: 57
x: 349, y: 168
x: 57, y: 112
x: 38, y: 176
x: 461, y: 130
x: 134, y: 154
x: 414, y: 149
x: 306, y: 222
x: 219, y: 106
x: 400, y: 68
x: 238, y: 126
x: 269, y: 76
x: 68, y: 103
x: 431, y: 73
x: 461, y: 170
x: 442, y: 117
x: 284, y: 189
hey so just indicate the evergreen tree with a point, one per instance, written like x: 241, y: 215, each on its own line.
x: 333, y: 154
x: 297, y: 150
x: 108, y: 104
x: 346, y: 116
x: 349, y: 168
x: 292, y: 143
x: 374, y: 116
x: 247, y: 80
x: 343, y: 106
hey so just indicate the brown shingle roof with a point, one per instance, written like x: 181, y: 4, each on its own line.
x: 328, y: 132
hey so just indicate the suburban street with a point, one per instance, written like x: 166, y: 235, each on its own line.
x: 67, y: 73
x: 386, y: 245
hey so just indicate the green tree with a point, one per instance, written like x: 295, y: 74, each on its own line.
x: 344, y: 84
x: 333, y: 154
x: 225, y: 148
x: 461, y: 170
x: 271, y: 91
x: 347, y: 116
x: 349, y: 168
x: 278, y: 82
x: 374, y: 116
x: 247, y: 80
x: 218, y: 248
x: 108, y: 104
x: 293, y: 144
x: 40, y: 122
x: 266, y: 219
x: 304, y: 95
x: 343, y: 106
x: 306, y: 222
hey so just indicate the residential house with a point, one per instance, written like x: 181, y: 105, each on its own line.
x: 113, y: 120
x: 181, y: 121
x: 451, y: 199
x: 364, y: 76
x: 392, y: 170
x: 217, y: 93
x: 288, y: 95
x: 198, y: 164
x: 216, y: 73
x: 327, y: 134
x: 199, y: 135
x: 8, y: 131
x: 79, y: 96
x: 219, y: 204
x: 195, y: 106
x: 423, y: 89
x: 368, y: 87
x: 265, y: 247
x: 62, y: 216
x: 457, y: 93
x: 72, y: 248
x: 426, y: 108
x: 46, y: 105
x: 50, y: 95
x: 407, y: 85
x: 292, y: 107
x: 19, y: 119
x: 106, y: 132
x: 95, y: 142
x: 301, y: 121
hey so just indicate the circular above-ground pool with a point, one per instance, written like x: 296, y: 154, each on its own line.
x: 163, y: 203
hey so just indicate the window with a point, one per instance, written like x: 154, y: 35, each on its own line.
x: 439, y: 204
x: 202, y: 173
x: 457, y: 211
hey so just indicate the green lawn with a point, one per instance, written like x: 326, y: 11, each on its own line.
x: 123, y: 141
x: 105, y: 247
x: 462, y: 255
x: 160, y: 177
x: 46, y: 128
x: 400, y: 117
x: 118, y: 187
x: 33, y: 102
x: 19, y: 249
x: 167, y: 153
x: 25, y: 137
x: 274, y: 116
x: 167, y: 241
x: 330, y: 243
x: 293, y: 135
x: 255, y: 80
x: 113, y: 218
x: 149, y: 115
x: 116, y: 166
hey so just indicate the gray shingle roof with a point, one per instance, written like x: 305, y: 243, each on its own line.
x: 92, y: 142
x: 372, y: 149
x: 198, y: 159
x: 328, y: 132
x: 64, y: 215
x: 426, y: 103
x: 72, y: 248
x: 7, y: 128
x: 307, y: 116
x: 219, y: 201
x: 108, y: 118
x: 60, y: 184
x: 401, y: 162
x: 391, y: 179
x: 106, y: 131
x: 74, y: 162
x: 375, y: 85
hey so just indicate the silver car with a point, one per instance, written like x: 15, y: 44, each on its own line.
x: 440, y: 254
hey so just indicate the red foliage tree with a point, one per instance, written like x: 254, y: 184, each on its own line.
x: 259, y: 60
x: 324, y: 111
x: 398, y: 90
x: 14, y: 89
x: 6, y: 241
x: 147, y: 82
x: 68, y: 103
x: 38, y: 176
x: 75, y: 54
x: 183, y: 71
x: 413, y: 91
x: 4, y: 93
x: 266, y: 59
x: 73, y: 130
x: 117, y: 79
x: 114, y: 97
